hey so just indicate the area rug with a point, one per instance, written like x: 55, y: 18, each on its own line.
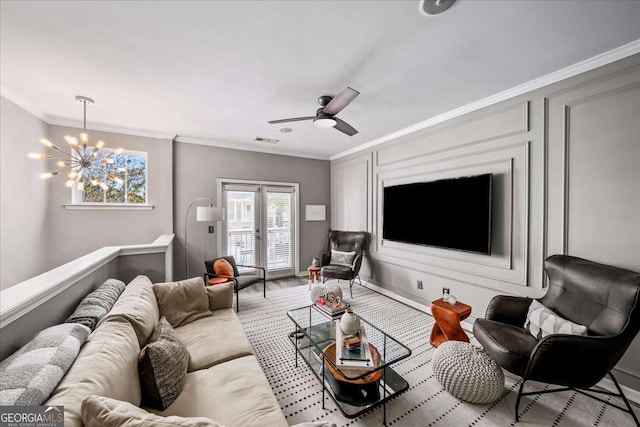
x: 425, y: 403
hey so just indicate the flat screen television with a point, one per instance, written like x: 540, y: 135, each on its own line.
x: 449, y: 213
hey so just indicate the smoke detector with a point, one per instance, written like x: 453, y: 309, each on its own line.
x: 285, y: 130
x: 435, y: 7
x: 267, y: 140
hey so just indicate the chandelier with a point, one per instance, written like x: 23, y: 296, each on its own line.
x: 80, y: 162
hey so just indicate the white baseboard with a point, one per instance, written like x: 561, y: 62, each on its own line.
x: 606, y: 384
x: 466, y: 324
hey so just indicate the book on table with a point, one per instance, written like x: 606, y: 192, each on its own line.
x: 324, y: 308
x: 357, y: 356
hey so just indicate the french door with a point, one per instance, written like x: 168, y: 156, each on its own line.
x: 261, y: 225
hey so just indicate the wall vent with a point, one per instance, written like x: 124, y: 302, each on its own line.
x: 267, y: 140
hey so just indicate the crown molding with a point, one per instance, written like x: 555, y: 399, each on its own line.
x: 25, y: 105
x: 554, y: 77
x: 58, y: 121
x: 267, y: 150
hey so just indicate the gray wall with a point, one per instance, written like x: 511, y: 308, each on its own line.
x: 24, y: 197
x: 566, y: 159
x: 196, y: 170
x: 78, y: 232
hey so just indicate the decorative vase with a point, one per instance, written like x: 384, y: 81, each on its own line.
x: 335, y: 290
x: 350, y: 322
x: 317, y: 292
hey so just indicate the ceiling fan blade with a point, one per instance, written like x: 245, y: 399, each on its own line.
x: 344, y: 127
x: 340, y: 101
x: 294, y: 119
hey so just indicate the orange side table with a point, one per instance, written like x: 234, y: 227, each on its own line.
x: 448, y: 317
x: 314, y: 274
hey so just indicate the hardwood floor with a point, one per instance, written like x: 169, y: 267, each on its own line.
x: 276, y: 284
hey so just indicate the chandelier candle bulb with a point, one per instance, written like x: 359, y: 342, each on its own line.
x: 48, y: 175
x: 69, y: 183
x: 37, y: 156
x: 61, y: 163
x: 100, y: 144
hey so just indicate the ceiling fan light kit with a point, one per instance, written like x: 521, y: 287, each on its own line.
x: 326, y: 115
x: 325, y: 122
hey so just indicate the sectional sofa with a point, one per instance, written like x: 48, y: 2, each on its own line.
x: 224, y: 381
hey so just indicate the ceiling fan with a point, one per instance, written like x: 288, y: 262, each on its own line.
x: 326, y: 115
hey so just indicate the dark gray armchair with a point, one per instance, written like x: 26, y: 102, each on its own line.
x: 240, y: 281
x: 344, y: 241
x: 605, y: 299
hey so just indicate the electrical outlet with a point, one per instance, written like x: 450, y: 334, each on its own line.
x: 420, y: 284
x: 211, y: 229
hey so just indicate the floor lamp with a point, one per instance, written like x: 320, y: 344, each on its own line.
x: 203, y: 214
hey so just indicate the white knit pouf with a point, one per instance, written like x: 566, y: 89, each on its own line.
x: 467, y: 372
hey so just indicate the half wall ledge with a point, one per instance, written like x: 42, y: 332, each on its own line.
x: 25, y: 296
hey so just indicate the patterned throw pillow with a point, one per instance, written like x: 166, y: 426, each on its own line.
x: 342, y: 258
x: 541, y: 322
x: 162, y: 366
x: 29, y: 375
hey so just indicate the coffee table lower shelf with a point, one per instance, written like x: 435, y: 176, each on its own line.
x: 350, y: 405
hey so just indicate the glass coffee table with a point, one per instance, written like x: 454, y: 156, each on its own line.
x: 353, y: 391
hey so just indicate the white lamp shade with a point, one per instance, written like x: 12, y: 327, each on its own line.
x: 209, y: 214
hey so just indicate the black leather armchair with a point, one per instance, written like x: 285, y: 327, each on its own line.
x: 345, y: 241
x: 605, y: 299
x: 240, y: 280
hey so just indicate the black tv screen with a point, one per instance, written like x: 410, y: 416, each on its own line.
x: 449, y: 213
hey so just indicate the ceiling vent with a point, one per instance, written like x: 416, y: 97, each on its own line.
x: 267, y: 140
x: 435, y: 7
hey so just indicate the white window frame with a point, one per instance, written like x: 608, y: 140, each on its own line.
x: 76, y: 195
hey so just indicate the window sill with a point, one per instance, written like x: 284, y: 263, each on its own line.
x: 109, y: 207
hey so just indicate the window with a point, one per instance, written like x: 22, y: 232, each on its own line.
x: 124, y: 180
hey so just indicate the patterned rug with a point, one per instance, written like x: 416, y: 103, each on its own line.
x: 425, y: 403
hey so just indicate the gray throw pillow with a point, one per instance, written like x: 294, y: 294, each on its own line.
x: 97, y: 304
x: 342, y: 258
x: 29, y: 375
x: 162, y: 367
x: 542, y: 321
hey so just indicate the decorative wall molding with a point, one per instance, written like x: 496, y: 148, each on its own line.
x: 508, y: 157
x: 605, y: 58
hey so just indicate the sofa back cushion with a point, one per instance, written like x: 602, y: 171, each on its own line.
x: 107, y: 365
x: 138, y: 306
x: 28, y: 376
x: 182, y: 302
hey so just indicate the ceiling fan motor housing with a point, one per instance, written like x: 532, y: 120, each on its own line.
x: 324, y: 100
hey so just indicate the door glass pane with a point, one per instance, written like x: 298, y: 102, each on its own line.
x: 279, y: 231
x: 241, y: 226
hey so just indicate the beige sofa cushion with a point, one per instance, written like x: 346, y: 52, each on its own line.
x: 214, y: 339
x: 138, y: 305
x: 235, y: 393
x: 107, y: 365
x: 220, y: 296
x: 182, y: 302
x: 98, y: 411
